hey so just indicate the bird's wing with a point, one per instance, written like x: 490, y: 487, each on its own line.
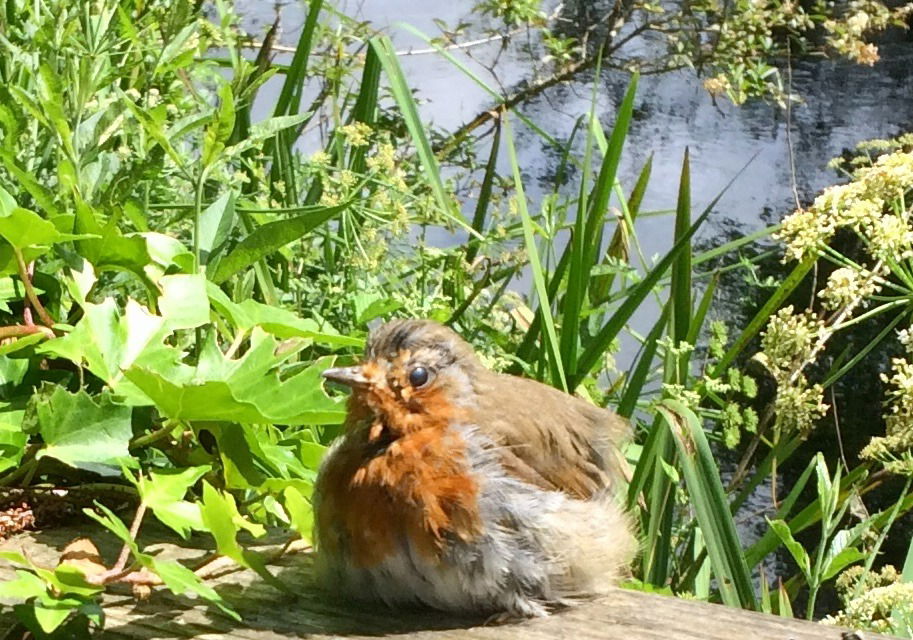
x: 550, y: 438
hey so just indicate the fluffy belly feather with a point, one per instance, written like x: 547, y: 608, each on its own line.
x: 419, y: 523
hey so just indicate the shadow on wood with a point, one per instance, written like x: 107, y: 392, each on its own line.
x: 270, y: 614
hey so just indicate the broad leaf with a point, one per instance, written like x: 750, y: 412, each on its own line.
x: 164, y: 491
x: 270, y: 237
x: 798, y: 552
x: 84, y: 433
x: 12, y: 439
x: 183, y: 303
x: 106, y: 342
x: 247, y: 389
x: 182, y: 580
x: 281, y: 323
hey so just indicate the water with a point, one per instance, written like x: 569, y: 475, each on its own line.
x: 844, y: 104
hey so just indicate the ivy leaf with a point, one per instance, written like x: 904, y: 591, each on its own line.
x: 176, y: 577
x: 247, y: 314
x: 183, y: 303
x: 248, y: 389
x: 82, y: 433
x: 12, y: 439
x: 300, y: 512
x: 163, y: 492
x: 25, y: 585
x: 180, y: 580
x: 221, y: 516
x: 106, y: 342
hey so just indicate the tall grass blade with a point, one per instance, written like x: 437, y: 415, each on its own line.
x: 601, y: 341
x: 365, y: 109
x: 680, y: 289
x: 588, y: 227
x: 634, y: 386
x: 478, y: 217
x: 545, y: 313
x: 601, y: 285
x: 403, y: 96
x: 708, y: 498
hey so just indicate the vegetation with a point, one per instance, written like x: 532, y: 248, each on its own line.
x: 174, y: 276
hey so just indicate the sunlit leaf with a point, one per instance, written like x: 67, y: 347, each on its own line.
x: 82, y: 431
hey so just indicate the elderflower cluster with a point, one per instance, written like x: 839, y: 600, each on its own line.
x: 789, y: 343
x: 895, y: 449
x: 872, y: 604
x: 847, y: 287
x: 862, y: 205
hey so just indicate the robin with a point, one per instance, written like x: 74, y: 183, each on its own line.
x: 463, y: 489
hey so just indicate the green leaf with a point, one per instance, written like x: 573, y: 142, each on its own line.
x: 248, y: 389
x: 216, y: 224
x: 183, y: 303
x: 545, y: 311
x: 220, y: 128
x: 50, y: 95
x: 837, y: 563
x: 24, y: 586
x: 12, y: 439
x: 175, y: 49
x: 82, y: 433
x: 49, y: 618
x: 383, y: 46
x: 163, y: 492
x: 23, y: 228
x: 221, y: 516
x: 109, y: 520
x: 264, y: 130
x: 269, y: 237
x: 106, y: 342
x: 280, y: 322
x: 42, y: 196
x: 702, y: 479
x: 181, y: 580
x: 300, y: 512
x: 798, y: 552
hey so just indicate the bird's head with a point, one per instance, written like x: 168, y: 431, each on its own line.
x: 415, y: 374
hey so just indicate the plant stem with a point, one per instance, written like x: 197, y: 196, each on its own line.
x: 30, y: 290
x: 17, y: 330
x: 24, y: 467
x: 125, y: 550
x: 151, y: 437
x: 812, y: 596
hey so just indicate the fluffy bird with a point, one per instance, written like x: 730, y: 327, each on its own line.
x: 466, y: 490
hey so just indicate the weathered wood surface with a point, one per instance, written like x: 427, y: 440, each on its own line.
x: 271, y: 615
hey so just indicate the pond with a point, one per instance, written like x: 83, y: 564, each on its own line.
x: 844, y: 103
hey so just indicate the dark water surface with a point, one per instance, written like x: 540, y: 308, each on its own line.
x: 844, y: 104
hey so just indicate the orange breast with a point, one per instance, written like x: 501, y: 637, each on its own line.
x: 385, y: 484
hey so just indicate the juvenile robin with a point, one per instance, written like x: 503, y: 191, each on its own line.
x: 463, y: 489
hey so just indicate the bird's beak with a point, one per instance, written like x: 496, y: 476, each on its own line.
x: 349, y: 376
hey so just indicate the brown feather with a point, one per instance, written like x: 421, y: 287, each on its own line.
x: 559, y: 441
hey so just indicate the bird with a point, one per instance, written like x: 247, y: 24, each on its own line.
x: 465, y: 490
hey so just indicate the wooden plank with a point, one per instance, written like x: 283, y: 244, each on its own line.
x: 271, y: 615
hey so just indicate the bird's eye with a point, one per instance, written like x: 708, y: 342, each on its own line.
x: 418, y: 377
